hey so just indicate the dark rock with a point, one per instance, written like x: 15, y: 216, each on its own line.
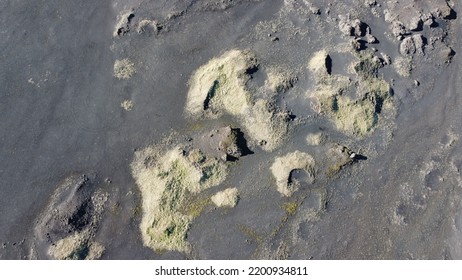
x: 226, y: 143
x: 70, y: 209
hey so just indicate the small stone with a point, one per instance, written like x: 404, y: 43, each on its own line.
x: 386, y: 59
x: 315, y: 10
x: 370, y: 3
x: 398, y: 29
x: 356, y: 44
x: 415, y: 24
x: 371, y: 39
x: 416, y: 83
x: 227, y: 198
x: 419, y: 42
x: 359, y: 28
x: 407, y: 47
x: 345, y: 28
x: 446, y: 54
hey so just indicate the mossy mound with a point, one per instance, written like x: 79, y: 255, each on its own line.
x: 283, y: 167
x: 315, y: 139
x: 67, y: 226
x: 127, y: 105
x: 226, y: 198
x: 166, y: 180
x: 266, y: 124
x: 368, y: 65
x: 320, y: 63
x: 291, y: 207
x: 124, y: 69
x: 354, y: 107
x: 280, y: 80
x: 331, y: 85
x: 354, y: 117
x: 403, y: 66
x: 219, y: 86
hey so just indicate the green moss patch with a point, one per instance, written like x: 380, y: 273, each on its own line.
x: 167, y: 182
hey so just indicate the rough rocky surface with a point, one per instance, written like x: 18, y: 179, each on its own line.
x: 66, y: 227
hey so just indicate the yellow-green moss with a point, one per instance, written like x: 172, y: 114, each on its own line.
x: 251, y: 233
x: 353, y: 107
x: 335, y: 168
x: 226, y: 198
x: 219, y: 86
x: 283, y: 166
x: 197, y: 206
x: 290, y: 207
x: 167, y: 181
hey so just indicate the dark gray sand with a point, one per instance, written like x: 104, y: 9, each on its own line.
x: 230, y: 129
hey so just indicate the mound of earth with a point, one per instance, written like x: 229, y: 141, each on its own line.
x: 283, y: 167
x: 219, y: 87
x: 353, y: 106
x: 166, y: 180
x: 66, y: 228
x: 226, y: 198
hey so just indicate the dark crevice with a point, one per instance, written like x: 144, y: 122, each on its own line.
x: 251, y: 70
x: 329, y: 64
x: 81, y: 217
x: 241, y: 142
x: 211, y: 94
